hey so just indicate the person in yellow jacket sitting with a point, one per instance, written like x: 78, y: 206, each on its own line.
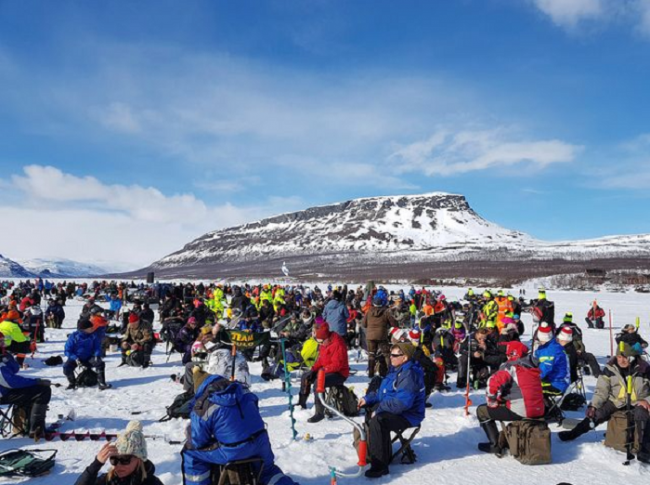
x: 14, y: 340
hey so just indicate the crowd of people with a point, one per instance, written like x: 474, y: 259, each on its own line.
x: 414, y: 340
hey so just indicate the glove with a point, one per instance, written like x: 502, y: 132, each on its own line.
x: 591, y: 412
x: 45, y: 382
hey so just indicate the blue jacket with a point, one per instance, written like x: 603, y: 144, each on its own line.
x: 229, y: 414
x: 9, y: 378
x: 402, y: 393
x: 554, y: 365
x: 336, y: 315
x: 83, y: 346
x: 115, y: 305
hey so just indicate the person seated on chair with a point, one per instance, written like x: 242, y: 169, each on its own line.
x: 610, y: 396
x: 84, y: 347
x: 630, y: 336
x: 54, y: 314
x: 32, y: 395
x: 553, y: 362
x: 185, y: 337
x: 397, y: 405
x: 483, y: 355
x: 513, y: 393
x: 585, y: 359
x: 565, y: 339
x: 333, y: 359
x: 226, y: 426
x: 15, y: 341
x: 138, y: 338
x: 128, y: 457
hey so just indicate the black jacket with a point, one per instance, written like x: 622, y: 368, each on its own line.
x: 91, y: 476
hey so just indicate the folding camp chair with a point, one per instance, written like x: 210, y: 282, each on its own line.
x: 13, y: 421
x: 241, y: 472
x: 408, y: 455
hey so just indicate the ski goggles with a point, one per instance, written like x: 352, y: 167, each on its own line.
x: 396, y: 356
x: 121, y: 460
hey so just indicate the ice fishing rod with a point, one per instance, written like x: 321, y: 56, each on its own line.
x: 363, y: 443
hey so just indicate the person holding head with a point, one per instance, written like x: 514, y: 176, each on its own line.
x: 610, y: 396
x: 84, y: 347
x: 31, y: 395
x: 333, y: 359
x: 128, y: 459
x: 398, y: 404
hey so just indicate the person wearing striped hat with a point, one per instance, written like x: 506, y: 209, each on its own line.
x: 553, y: 361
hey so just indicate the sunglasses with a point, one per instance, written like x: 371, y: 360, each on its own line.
x: 121, y: 460
x: 395, y: 356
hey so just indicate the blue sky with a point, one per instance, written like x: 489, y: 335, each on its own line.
x: 130, y: 128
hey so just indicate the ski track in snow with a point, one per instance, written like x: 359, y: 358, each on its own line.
x: 445, y: 447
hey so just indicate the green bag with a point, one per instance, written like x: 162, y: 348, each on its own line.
x: 25, y: 463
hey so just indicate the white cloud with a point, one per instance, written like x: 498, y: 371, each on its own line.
x: 568, y: 13
x: 447, y: 153
x: 119, y: 117
x: 83, y: 219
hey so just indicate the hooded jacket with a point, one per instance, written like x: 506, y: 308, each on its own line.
x: 612, y: 385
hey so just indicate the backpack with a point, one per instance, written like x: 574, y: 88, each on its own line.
x: 135, y: 358
x: 344, y: 400
x: 25, y: 463
x: 616, y: 435
x: 529, y: 441
x: 180, y: 407
x: 573, y: 402
x: 87, y: 378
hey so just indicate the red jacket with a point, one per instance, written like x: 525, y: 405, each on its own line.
x: 519, y: 386
x: 600, y: 313
x: 333, y: 356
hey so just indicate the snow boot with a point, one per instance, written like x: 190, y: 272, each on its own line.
x: 581, y: 428
x: 101, y: 381
x: 316, y: 418
x: 72, y: 383
x: 492, y: 433
x: 37, y: 421
x: 302, y: 400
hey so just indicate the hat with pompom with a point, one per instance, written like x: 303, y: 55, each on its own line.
x: 544, y: 332
x: 132, y: 441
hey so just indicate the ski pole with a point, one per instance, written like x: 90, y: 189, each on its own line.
x: 629, y: 432
x: 611, y: 335
x: 468, y: 401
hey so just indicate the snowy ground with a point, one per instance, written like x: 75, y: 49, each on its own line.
x: 446, y: 446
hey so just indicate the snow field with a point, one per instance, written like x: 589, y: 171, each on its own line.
x: 446, y: 445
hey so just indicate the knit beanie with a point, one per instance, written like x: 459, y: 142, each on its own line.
x: 132, y: 441
x: 414, y: 335
x: 566, y: 334
x: 322, y: 332
x: 544, y: 332
x: 133, y: 317
x: 84, y: 324
x: 406, y: 348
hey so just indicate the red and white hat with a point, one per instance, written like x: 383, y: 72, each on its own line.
x: 414, y: 335
x: 544, y: 332
x: 397, y: 334
x: 566, y: 334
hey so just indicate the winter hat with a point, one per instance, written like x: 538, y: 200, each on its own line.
x: 319, y: 320
x: 84, y: 324
x: 626, y: 350
x: 394, y: 333
x: 13, y: 315
x: 544, y: 332
x: 566, y: 334
x: 323, y: 332
x: 406, y: 348
x: 506, y: 321
x: 568, y: 317
x: 133, y: 317
x: 541, y: 294
x: 414, y: 335
x: 132, y: 441
x: 191, y: 320
x: 491, y: 324
x: 458, y: 325
x: 515, y: 350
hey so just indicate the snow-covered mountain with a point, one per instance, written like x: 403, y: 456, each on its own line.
x: 391, y: 230
x: 12, y: 269
x: 368, y: 225
x: 64, y: 268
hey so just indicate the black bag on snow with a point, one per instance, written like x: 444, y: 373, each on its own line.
x: 135, y: 358
x: 344, y: 400
x: 53, y: 360
x: 180, y: 407
x: 573, y: 402
x: 87, y: 378
x: 25, y: 463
